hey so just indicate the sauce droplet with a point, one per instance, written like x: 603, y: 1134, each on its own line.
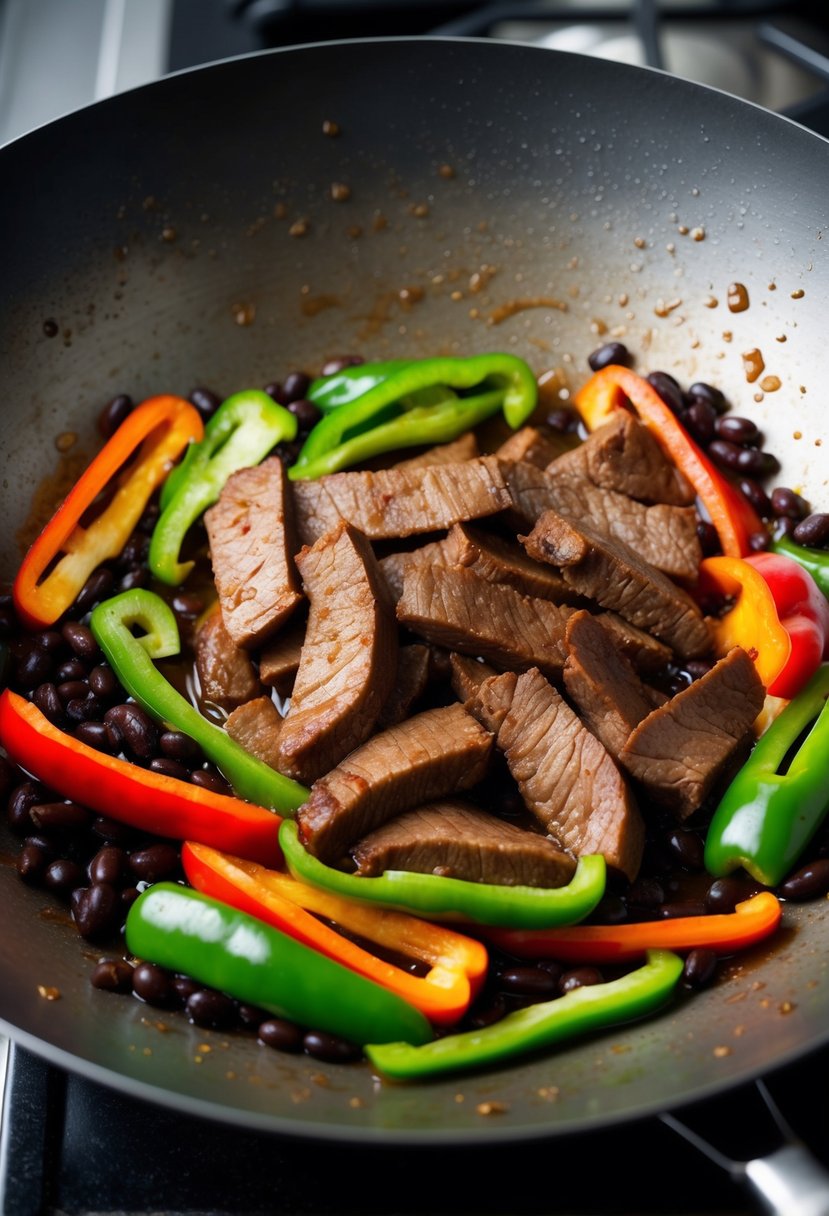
x: 737, y: 297
x: 770, y: 384
x: 753, y: 364
x: 799, y: 294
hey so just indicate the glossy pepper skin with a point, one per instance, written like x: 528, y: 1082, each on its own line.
x: 752, y: 920
x: 767, y: 817
x: 816, y: 561
x: 120, y: 790
x: 729, y: 511
x: 240, y: 434
x: 442, y: 898
x: 593, y: 1007
x: 376, y: 408
x: 155, y: 433
x: 131, y: 658
x: 456, y: 965
x: 217, y: 945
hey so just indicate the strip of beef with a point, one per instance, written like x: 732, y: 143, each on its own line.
x: 680, y: 751
x: 467, y: 675
x: 623, y: 455
x: 499, y: 561
x: 414, y: 665
x: 530, y: 444
x: 457, y: 840
x: 395, y: 565
x: 564, y: 774
x: 226, y: 674
x: 252, y: 542
x: 465, y: 447
x: 349, y: 656
x: 255, y: 726
x: 602, y: 683
x: 279, y: 660
x: 434, y: 754
x: 608, y: 571
x: 455, y: 608
x: 647, y: 654
x: 394, y: 503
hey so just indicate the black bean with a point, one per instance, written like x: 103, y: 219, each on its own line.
x: 610, y: 910
x: 552, y: 968
x: 251, y: 1016
x: 646, y: 893
x: 205, y: 401
x: 183, y: 987
x: 288, y: 452
x: 81, y: 639
x: 339, y: 363
x: 683, y: 908
x: 31, y: 863
x: 758, y: 498
x: 139, y: 577
x: 563, y: 419
x: 611, y: 352
x: 331, y: 1048
x: 785, y: 526
x: 44, y: 842
x: 808, y: 882
x: 686, y: 847
x: 697, y: 668
x: 72, y: 669
x: 700, y: 419
x: 708, y: 538
x: 700, y: 968
x: 33, y: 667
x: 84, y: 709
x: 188, y: 605
x: 706, y: 392
x: 59, y: 815
x: 281, y: 1034
x: 169, y: 768
x: 70, y: 690
x: 9, y: 774
x: 113, y: 414
x: 209, y: 780
x: 759, y: 542
x: 128, y: 896
x: 307, y: 414
x: 177, y: 746
x: 152, y: 984
x: 787, y: 503
x: 111, y: 830
x: 21, y: 800
x: 108, y: 865
x: 737, y: 430
x: 63, y: 876
x: 210, y: 1009
x: 96, y: 588
x: 274, y: 389
x: 813, y: 530
x: 94, y: 734
x: 47, y: 699
x: 103, y: 682
x: 134, y: 551
x: 112, y: 975
x: 527, y: 981
x: 725, y: 893
x: 668, y: 389
x: 154, y: 863
x: 487, y: 1012
x: 757, y: 464
x: 295, y: 387
x: 579, y: 977
x: 51, y: 641
x: 150, y: 518
x: 130, y: 725
x: 726, y: 454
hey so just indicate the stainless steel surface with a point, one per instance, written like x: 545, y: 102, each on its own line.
x: 789, y: 1183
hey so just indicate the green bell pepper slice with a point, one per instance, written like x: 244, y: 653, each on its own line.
x: 185, y: 931
x: 816, y: 561
x: 772, y: 808
x: 131, y: 658
x: 593, y: 1007
x: 439, y: 898
x: 240, y: 434
x: 341, y: 388
x: 410, y: 404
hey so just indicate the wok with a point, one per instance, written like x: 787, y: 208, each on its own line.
x: 614, y: 200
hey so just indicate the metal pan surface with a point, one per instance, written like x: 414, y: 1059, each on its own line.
x: 499, y: 196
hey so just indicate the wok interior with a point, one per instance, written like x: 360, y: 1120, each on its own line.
x: 187, y: 233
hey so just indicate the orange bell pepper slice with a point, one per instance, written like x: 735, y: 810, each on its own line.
x: 615, y: 387
x: 158, y: 430
x: 752, y: 622
x: 457, y: 964
x: 750, y: 922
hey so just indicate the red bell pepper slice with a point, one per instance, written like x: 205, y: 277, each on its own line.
x: 615, y: 387
x: 137, y: 796
x: 457, y: 964
x: 157, y: 430
x: 751, y: 921
x: 779, y: 616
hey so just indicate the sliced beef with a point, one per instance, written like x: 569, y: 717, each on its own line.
x: 467, y: 675
x: 500, y: 561
x: 252, y: 542
x: 279, y: 660
x: 457, y: 840
x: 609, y: 572
x: 455, y: 608
x: 414, y: 666
x: 530, y: 444
x: 465, y: 447
x: 647, y: 654
x: 349, y: 656
x: 679, y: 752
x: 394, y: 503
x: 530, y: 491
x: 607, y: 692
x: 255, y: 726
x: 226, y: 674
x: 435, y: 754
x: 623, y: 455
x: 564, y: 774
x: 395, y: 565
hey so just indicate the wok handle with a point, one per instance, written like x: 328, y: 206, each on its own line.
x: 789, y: 1180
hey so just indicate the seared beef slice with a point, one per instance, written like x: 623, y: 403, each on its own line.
x: 500, y: 561
x: 457, y: 840
x: 530, y: 444
x: 279, y: 659
x: 624, y: 456
x: 413, y: 670
x: 348, y: 661
x: 401, y: 502
x: 251, y: 546
x: 433, y: 755
x: 680, y: 750
x: 225, y: 671
x: 607, y: 692
x: 564, y: 774
x: 609, y: 572
x: 255, y: 726
x: 465, y: 447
